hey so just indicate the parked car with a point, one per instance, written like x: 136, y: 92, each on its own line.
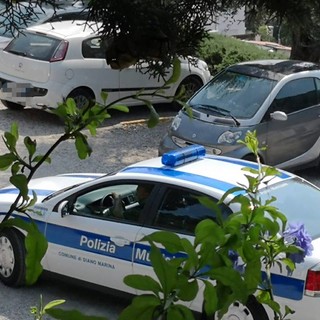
x: 54, y: 61
x: 72, y: 10
x: 89, y: 242
x: 280, y: 99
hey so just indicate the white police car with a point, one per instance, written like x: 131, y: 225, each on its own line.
x: 89, y: 241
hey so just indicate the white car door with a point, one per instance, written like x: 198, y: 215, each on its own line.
x: 90, y: 245
x: 133, y: 80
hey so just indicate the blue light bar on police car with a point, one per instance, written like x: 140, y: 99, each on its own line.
x: 183, y: 155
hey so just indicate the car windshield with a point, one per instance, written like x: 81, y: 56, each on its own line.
x: 298, y: 200
x: 239, y: 94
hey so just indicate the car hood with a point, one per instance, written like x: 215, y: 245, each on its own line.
x: 43, y: 187
x: 197, y: 131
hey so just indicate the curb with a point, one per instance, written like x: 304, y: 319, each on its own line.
x: 142, y: 121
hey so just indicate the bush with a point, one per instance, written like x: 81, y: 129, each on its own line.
x: 221, y: 51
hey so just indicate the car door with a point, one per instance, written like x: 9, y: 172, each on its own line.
x: 177, y: 210
x: 292, y: 138
x: 96, y: 73
x: 133, y: 80
x: 86, y: 242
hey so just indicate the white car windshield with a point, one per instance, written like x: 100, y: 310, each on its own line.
x: 233, y: 93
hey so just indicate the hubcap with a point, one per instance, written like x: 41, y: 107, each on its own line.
x: 6, y: 257
x: 238, y: 311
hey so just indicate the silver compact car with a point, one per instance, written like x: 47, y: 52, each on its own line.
x: 280, y: 99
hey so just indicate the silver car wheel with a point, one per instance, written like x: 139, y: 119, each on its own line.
x: 7, y: 260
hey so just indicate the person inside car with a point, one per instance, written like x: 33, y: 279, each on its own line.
x: 118, y: 210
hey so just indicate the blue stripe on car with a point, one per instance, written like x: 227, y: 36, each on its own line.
x: 283, y: 286
x: 185, y: 176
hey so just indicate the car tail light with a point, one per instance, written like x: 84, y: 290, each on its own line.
x: 60, y: 52
x: 312, y: 287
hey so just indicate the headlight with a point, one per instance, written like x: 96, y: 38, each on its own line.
x: 229, y: 137
x: 176, y: 123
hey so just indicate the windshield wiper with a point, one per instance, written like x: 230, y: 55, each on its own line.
x: 219, y: 110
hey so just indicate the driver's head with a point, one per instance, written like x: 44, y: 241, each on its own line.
x: 143, y: 191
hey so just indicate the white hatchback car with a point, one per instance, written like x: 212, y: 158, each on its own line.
x: 54, y: 61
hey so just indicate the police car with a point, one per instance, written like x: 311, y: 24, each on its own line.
x: 87, y: 241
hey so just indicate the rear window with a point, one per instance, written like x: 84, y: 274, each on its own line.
x: 35, y: 46
x: 299, y: 201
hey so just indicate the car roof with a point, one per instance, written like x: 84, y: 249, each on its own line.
x: 273, y: 69
x: 67, y: 29
x: 218, y: 172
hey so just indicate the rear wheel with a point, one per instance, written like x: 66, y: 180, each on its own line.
x: 11, y: 105
x: 12, y: 258
x: 82, y: 97
x: 191, y: 86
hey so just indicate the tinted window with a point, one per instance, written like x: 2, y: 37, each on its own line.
x: 34, y: 46
x: 93, y: 49
x: 296, y: 95
x: 181, y: 211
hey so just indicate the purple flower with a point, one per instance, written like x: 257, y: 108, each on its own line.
x: 234, y: 257
x: 297, y: 235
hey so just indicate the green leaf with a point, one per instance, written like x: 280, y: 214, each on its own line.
x: 15, y: 130
x: 166, y: 272
x: 104, y: 96
x: 210, y: 298
x: 171, y: 241
x: 20, y: 182
x: 6, y: 160
x: 36, y: 247
x: 83, y: 148
x: 187, y: 289
x: 142, y: 307
x: 141, y: 282
x: 31, y: 146
x: 10, y: 141
x: 179, y: 312
x: 61, y: 314
x: 71, y: 107
x: 53, y: 303
x: 119, y: 107
x: 176, y: 71
x: 208, y: 231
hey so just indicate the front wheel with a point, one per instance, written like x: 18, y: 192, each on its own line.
x: 12, y: 258
x: 253, y: 310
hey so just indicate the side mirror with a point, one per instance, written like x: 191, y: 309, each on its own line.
x: 279, y: 115
x: 64, y: 208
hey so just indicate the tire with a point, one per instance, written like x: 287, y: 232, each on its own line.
x: 11, y: 105
x: 191, y: 85
x: 12, y: 258
x: 253, y: 310
x: 82, y: 97
x: 250, y: 157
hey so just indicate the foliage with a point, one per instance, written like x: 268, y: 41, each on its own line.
x: 41, y: 310
x: 226, y: 256
x: 220, y: 51
x: 24, y: 164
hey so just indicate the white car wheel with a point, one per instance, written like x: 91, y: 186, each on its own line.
x: 12, y: 256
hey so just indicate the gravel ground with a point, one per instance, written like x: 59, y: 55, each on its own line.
x: 118, y: 142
